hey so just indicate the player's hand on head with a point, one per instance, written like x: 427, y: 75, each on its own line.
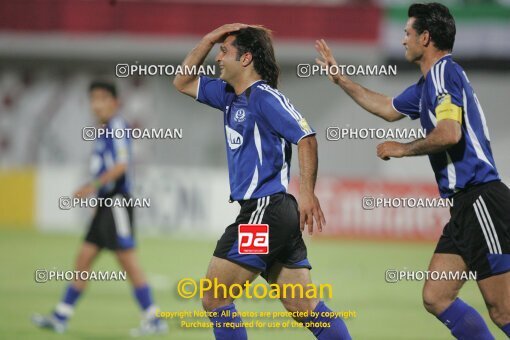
x: 387, y: 150
x: 310, y: 210
x: 327, y: 60
x: 218, y: 35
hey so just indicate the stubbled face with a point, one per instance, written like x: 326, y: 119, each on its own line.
x: 103, y: 104
x: 226, y: 58
x: 412, y: 43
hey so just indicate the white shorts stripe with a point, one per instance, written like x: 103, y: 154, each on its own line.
x: 261, y: 215
x: 482, y: 225
x: 491, y: 225
x: 121, y: 219
x: 252, y: 217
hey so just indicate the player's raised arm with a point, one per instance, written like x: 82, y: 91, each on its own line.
x: 188, y: 83
x: 309, y: 207
x: 375, y: 103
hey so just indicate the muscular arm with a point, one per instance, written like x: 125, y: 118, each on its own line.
x: 188, y: 83
x: 447, y: 133
x: 309, y: 207
x: 375, y: 103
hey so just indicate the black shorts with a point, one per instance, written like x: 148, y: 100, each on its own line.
x: 112, y: 227
x: 479, y: 229
x: 286, y: 245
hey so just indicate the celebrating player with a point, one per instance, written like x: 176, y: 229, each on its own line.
x: 260, y: 126
x: 477, y: 237
x: 111, y: 227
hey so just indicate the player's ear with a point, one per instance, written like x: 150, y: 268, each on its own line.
x: 246, y: 59
x: 425, y: 38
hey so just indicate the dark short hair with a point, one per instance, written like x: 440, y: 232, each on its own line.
x: 437, y: 20
x: 258, y: 42
x: 103, y: 85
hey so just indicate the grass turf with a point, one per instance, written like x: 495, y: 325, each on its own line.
x: 107, y: 310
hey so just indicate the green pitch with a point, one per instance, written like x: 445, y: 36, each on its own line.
x: 107, y: 310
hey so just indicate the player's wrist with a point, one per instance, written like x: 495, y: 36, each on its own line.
x: 207, y: 41
x: 96, y: 183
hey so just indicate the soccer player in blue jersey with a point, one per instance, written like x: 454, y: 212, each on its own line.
x: 260, y: 124
x: 477, y: 237
x: 111, y: 227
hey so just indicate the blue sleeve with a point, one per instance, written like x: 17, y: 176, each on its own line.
x: 281, y: 115
x: 408, y: 102
x: 447, y: 81
x: 211, y: 91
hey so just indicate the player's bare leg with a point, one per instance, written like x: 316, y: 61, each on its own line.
x: 150, y: 324
x: 301, y: 276
x: 86, y: 256
x: 322, y: 327
x: 129, y: 262
x: 439, y: 294
x: 440, y: 299
x: 63, y: 311
x: 496, y: 293
x: 227, y: 273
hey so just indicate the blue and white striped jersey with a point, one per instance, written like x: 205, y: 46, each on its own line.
x: 469, y: 162
x: 109, y: 151
x: 260, y: 125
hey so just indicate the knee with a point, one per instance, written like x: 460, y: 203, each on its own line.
x: 299, y: 305
x: 436, y: 301
x: 210, y: 303
x: 499, y: 313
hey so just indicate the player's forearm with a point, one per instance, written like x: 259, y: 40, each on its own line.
x: 195, y: 58
x: 111, y: 175
x: 424, y: 146
x: 446, y: 134
x: 308, y: 164
x: 373, y: 102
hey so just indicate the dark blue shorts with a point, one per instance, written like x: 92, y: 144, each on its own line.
x: 286, y: 245
x: 112, y: 227
x: 479, y: 229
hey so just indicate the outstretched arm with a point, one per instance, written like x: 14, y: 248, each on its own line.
x: 375, y: 103
x: 187, y: 83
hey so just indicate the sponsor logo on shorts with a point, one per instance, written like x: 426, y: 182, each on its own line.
x: 253, y: 239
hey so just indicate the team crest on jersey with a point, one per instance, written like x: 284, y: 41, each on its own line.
x: 240, y: 116
x: 234, y: 138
